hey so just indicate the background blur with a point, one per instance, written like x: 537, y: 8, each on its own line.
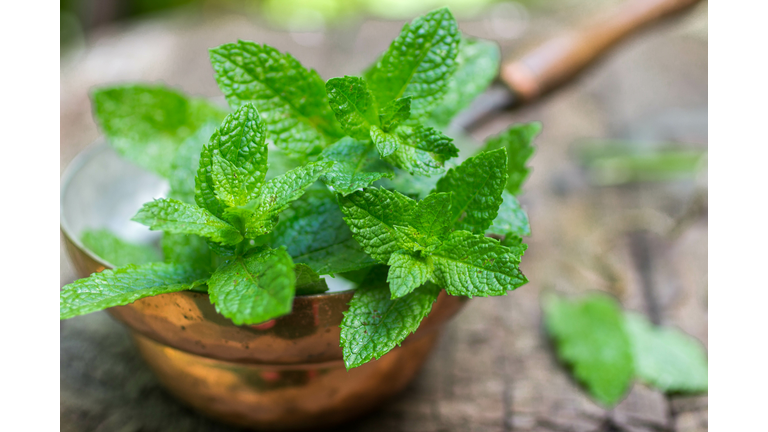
x: 617, y: 202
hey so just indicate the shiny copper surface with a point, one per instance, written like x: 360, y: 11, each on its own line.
x: 287, y: 373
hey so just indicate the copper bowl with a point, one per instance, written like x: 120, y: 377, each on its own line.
x: 285, y: 374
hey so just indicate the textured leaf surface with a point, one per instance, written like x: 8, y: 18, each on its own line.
x: 517, y: 140
x: 386, y: 143
x: 229, y: 181
x: 147, y: 124
x: 174, y: 216
x: 432, y: 216
x: 394, y: 113
x: 117, y: 251
x: 126, y: 285
x: 308, y: 282
x: 590, y: 337
x: 355, y: 166
x: 478, y: 65
x: 511, y: 219
x: 375, y: 322
x: 419, y: 63
x: 473, y: 265
x: 239, y: 140
x: 185, y: 164
x: 353, y: 105
x: 422, y: 150
x: 406, y: 273
x: 667, y: 358
x: 476, y: 185
x: 315, y: 234
x: 372, y: 214
x: 255, y: 288
x: 291, y: 99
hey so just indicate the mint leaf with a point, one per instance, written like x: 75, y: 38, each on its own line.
x: 291, y: 99
x: 185, y: 164
x: 229, y: 181
x: 117, y: 251
x: 432, y: 216
x: 512, y: 219
x: 355, y: 166
x: 590, y: 337
x: 477, y: 66
x: 419, y: 63
x: 315, y: 234
x: 353, y: 105
x: 255, y: 288
x: 476, y: 185
x: 385, y: 143
x: 175, y: 216
x: 517, y: 140
x: 239, y: 140
x: 472, y: 265
x: 308, y: 282
x: 126, y: 285
x: 188, y: 249
x: 394, y: 113
x: 667, y: 358
x: 375, y: 323
x: 372, y: 215
x: 147, y: 124
x: 422, y: 150
x: 406, y: 273
x: 261, y: 215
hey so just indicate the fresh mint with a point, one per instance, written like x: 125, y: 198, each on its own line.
x: 608, y: 349
x: 117, y: 251
x: 308, y: 179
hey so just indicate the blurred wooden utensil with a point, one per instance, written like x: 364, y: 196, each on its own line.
x: 559, y: 59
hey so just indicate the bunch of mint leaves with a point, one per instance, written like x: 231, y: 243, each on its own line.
x: 253, y: 234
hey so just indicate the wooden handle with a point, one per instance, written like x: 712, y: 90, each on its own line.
x: 550, y: 64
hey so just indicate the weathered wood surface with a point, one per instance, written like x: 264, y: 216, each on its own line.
x: 494, y: 369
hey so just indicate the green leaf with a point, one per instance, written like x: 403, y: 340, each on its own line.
x: 590, y: 337
x: 372, y: 214
x: 667, y: 358
x: 512, y: 219
x: 385, y: 143
x: 355, y: 166
x: 517, y: 140
x: 422, y: 150
x: 394, y: 113
x: 308, y: 282
x: 432, y: 216
x: 188, y: 249
x: 419, y: 63
x: 375, y: 323
x: 353, y: 105
x: 478, y: 66
x: 291, y: 99
x: 147, y: 124
x: 261, y: 214
x: 473, y: 265
x: 117, y: 251
x: 315, y: 234
x: 476, y: 185
x: 255, y: 288
x: 239, y: 140
x: 229, y: 181
x: 126, y: 285
x: 185, y: 164
x: 174, y: 216
x: 406, y: 273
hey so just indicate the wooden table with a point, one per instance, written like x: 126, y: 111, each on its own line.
x: 494, y: 369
